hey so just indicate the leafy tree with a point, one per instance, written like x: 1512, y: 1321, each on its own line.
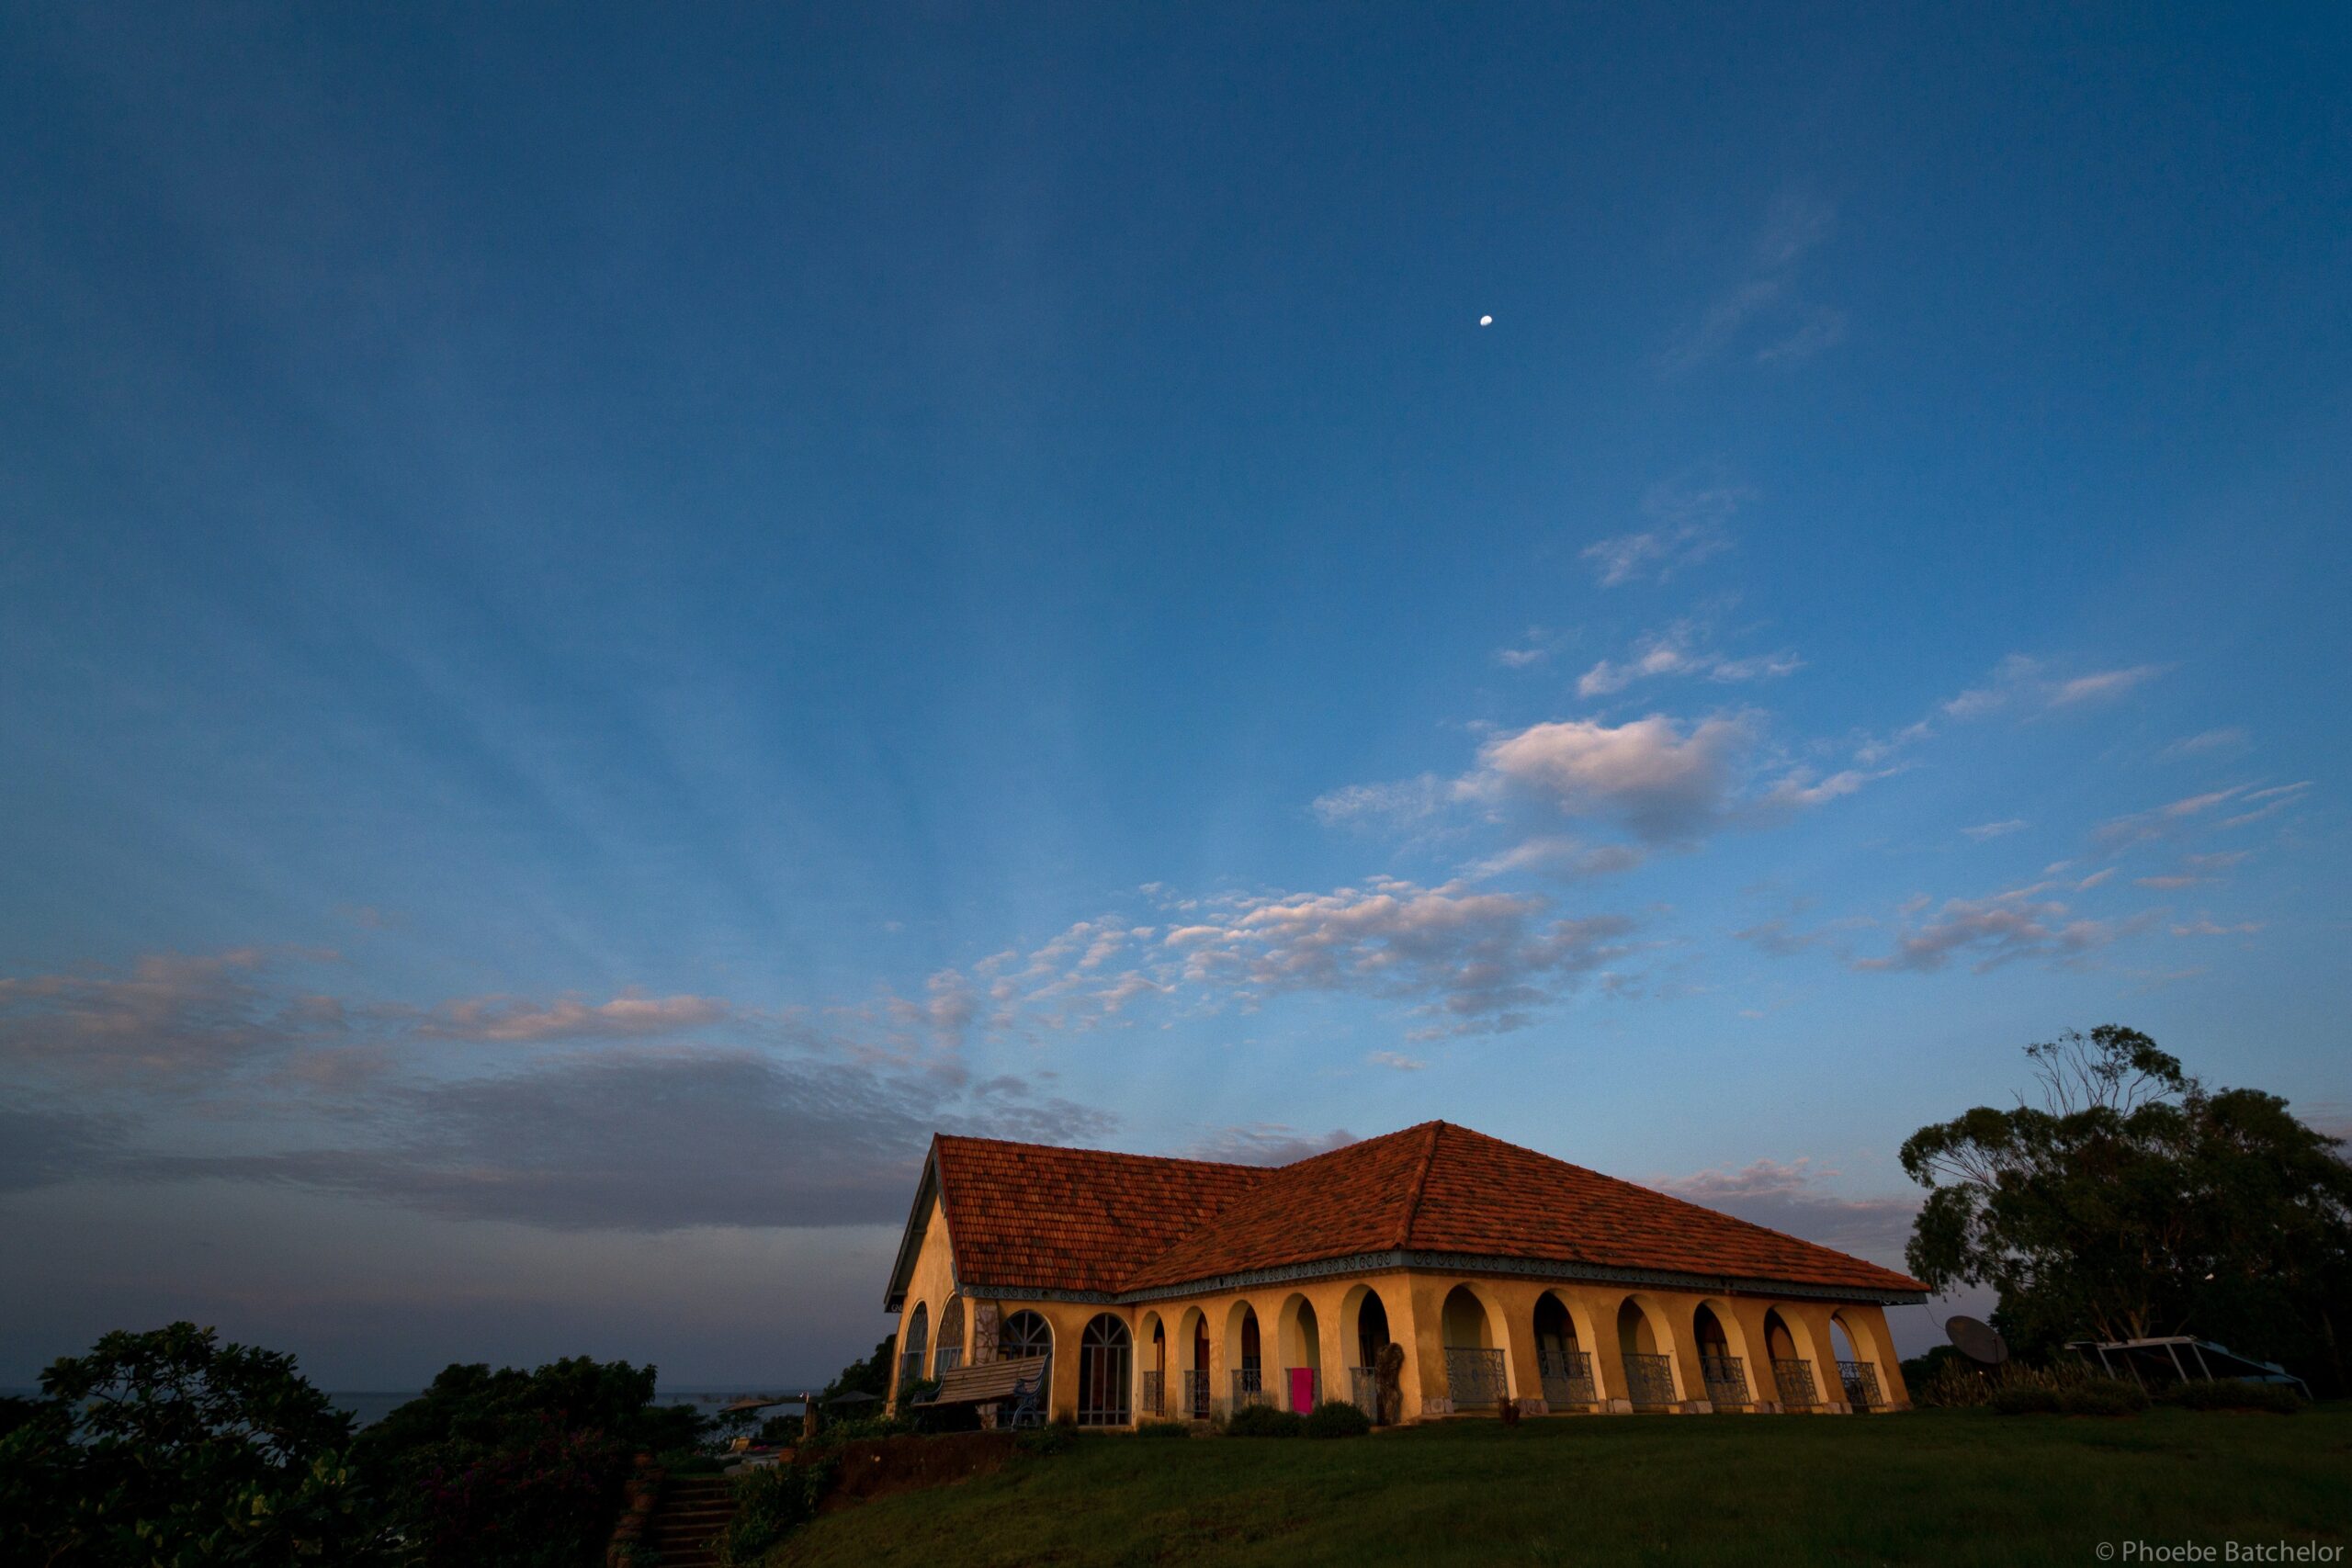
x: 513, y: 1469
x: 871, y: 1375
x: 2134, y: 1201
x: 169, y: 1447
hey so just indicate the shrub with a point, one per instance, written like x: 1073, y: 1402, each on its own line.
x: 770, y: 1504
x: 2105, y: 1396
x: 2229, y: 1393
x: 2031, y: 1398
x: 1953, y: 1385
x: 1055, y: 1436
x: 1337, y: 1419
x: 1264, y: 1421
x: 1163, y: 1429
x: 2066, y: 1388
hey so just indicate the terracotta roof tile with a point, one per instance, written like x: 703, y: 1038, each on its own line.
x: 1085, y: 1220
x: 1072, y: 1219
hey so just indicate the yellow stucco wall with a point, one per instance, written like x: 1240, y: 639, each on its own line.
x: 931, y: 1286
x: 1415, y: 1303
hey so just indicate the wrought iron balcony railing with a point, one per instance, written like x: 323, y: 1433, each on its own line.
x: 1249, y: 1387
x: 1861, y: 1379
x: 1650, y: 1380
x: 1155, y: 1395
x: 1726, y: 1379
x: 1475, y: 1380
x: 1567, y: 1378
x: 1795, y: 1380
x: 1196, y: 1395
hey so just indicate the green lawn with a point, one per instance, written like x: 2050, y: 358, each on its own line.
x: 1943, y: 1487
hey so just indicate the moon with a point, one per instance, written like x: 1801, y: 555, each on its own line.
x: 1485, y: 320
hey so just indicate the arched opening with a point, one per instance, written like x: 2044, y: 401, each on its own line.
x: 914, y: 1338
x: 1300, y: 1337
x: 1647, y: 1352
x: 950, y: 1354
x: 1026, y: 1333
x: 1721, y: 1366
x: 1565, y: 1365
x: 1154, y: 1370
x: 1103, y: 1370
x: 1372, y: 1336
x: 1245, y: 1354
x: 1792, y: 1368
x: 1197, y: 1370
x: 1857, y: 1373
x: 1475, y: 1376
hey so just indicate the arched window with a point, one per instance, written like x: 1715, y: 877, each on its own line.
x: 950, y: 1354
x: 914, y: 1338
x: 1026, y: 1333
x: 1104, y: 1357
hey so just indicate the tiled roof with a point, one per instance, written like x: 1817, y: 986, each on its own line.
x: 1084, y: 1220
x: 1072, y: 1219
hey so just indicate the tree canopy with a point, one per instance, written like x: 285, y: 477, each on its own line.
x: 2134, y: 1200
x: 168, y: 1448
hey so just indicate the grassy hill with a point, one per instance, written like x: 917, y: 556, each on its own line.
x: 1941, y: 1487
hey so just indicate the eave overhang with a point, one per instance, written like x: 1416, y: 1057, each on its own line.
x: 1439, y: 1263
x: 910, y: 1241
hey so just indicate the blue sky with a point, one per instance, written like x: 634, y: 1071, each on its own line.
x: 606, y: 620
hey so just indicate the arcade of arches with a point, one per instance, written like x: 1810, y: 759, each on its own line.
x: 1483, y: 1276
x: 1470, y: 1342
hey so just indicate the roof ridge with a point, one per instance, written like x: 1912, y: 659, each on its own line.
x: 1106, y: 1154
x: 1420, y: 1184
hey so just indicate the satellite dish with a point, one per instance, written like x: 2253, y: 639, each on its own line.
x: 1977, y: 1341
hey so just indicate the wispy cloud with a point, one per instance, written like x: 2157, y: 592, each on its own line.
x: 1531, y: 650
x: 2205, y: 925
x: 1267, y: 1143
x: 2207, y: 743
x: 1678, y: 651
x: 1688, y: 523
x: 1793, y: 1196
x: 2195, y: 870
x: 1984, y: 831
x: 2020, y: 687
x: 2027, y: 686
x: 630, y: 1016
x: 640, y: 1141
x: 1395, y: 1061
x: 633, y: 1126
x: 2003, y: 929
x: 2117, y: 834
x: 1763, y: 302
x: 2271, y: 802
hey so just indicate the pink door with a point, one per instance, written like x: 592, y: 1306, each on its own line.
x: 1302, y: 1389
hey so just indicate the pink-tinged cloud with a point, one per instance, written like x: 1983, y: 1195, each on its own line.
x: 625, y: 1017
